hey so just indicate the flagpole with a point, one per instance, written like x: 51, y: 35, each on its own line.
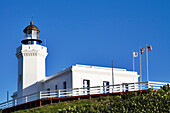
x: 140, y: 65
x: 140, y: 68
x: 147, y: 62
x: 133, y: 62
x: 7, y: 98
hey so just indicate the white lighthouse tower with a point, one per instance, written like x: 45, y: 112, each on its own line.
x: 31, y: 61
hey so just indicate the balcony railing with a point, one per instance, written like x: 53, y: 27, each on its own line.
x: 83, y: 91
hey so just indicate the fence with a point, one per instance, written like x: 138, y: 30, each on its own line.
x: 83, y: 91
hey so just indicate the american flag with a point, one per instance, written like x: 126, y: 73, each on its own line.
x: 149, y: 48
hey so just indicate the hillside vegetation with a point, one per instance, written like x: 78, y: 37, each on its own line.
x: 149, y: 101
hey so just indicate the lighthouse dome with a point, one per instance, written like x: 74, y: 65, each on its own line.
x: 31, y: 27
x: 31, y: 35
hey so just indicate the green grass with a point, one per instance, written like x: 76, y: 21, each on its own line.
x: 150, y: 101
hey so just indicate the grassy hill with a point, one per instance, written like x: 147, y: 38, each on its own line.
x: 150, y: 101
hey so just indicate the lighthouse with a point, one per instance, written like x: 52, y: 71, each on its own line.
x: 32, y: 79
x: 31, y: 61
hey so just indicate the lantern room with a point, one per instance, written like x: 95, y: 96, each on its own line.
x: 31, y: 35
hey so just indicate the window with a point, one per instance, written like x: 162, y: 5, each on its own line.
x: 56, y: 87
x: 105, y: 87
x: 48, y: 91
x: 64, y: 87
x: 86, y: 85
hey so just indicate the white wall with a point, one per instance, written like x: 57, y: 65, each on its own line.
x: 20, y: 76
x: 125, y: 77
x: 58, y: 80
x: 31, y: 67
x: 75, y: 75
x: 34, y: 88
x: 97, y: 75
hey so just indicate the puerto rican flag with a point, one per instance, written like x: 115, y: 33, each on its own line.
x: 149, y: 48
x: 142, y: 50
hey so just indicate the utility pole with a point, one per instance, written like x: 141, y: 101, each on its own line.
x: 112, y: 74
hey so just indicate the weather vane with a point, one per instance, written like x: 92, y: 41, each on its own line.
x: 31, y: 19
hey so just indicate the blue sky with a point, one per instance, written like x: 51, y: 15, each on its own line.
x: 92, y: 32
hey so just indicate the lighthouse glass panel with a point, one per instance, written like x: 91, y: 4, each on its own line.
x: 29, y: 34
x: 32, y: 34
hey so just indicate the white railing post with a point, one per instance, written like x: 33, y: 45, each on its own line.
x: 138, y: 86
x: 148, y: 84
x: 58, y: 93
x: 101, y: 89
x: 7, y: 104
x: 123, y: 88
x: 15, y: 102
x: 26, y: 99
x: 79, y: 91
x: 120, y: 87
x: 134, y: 86
x: 112, y: 88
x: 40, y: 95
x: 128, y: 89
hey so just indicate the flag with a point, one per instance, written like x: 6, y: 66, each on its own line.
x: 149, y: 48
x: 135, y: 54
x: 142, y: 50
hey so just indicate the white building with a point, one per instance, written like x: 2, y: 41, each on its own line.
x: 31, y: 70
